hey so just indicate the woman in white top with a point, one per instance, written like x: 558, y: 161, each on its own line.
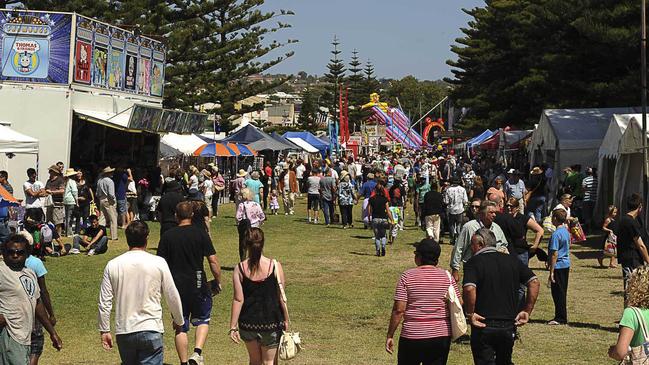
x: 565, y: 202
x: 70, y: 198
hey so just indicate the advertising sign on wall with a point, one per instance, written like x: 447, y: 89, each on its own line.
x: 164, y: 120
x: 82, y: 62
x: 35, y: 47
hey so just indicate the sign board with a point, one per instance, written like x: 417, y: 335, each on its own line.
x: 35, y: 46
x: 163, y: 120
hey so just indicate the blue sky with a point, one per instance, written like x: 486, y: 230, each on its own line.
x: 410, y: 37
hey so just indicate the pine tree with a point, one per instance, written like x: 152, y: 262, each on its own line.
x: 357, y: 96
x: 370, y: 84
x: 308, y: 112
x: 334, y: 78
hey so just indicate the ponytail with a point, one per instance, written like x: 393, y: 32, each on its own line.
x: 255, y: 244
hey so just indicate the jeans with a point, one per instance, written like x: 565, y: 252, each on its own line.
x: 101, y: 246
x: 328, y: 210
x: 535, y: 207
x: 379, y: 225
x: 455, y: 225
x: 145, y: 348
x: 523, y: 257
x: 559, y: 294
x: 493, y: 345
x: 428, y: 351
x: 346, y: 214
x: 81, y: 215
x: 69, y: 210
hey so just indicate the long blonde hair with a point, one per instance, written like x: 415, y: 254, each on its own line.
x: 637, y: 288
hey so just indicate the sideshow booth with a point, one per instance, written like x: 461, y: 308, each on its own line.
x: 90, y: 93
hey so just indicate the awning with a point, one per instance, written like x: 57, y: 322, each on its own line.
x: 112, y: 120
x: 15, y: 142
x: 303, y: 144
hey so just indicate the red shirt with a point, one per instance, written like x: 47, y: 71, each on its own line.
x: 424, y: 289
x: 268, y: 171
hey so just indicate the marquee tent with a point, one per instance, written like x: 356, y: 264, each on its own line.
x: 185, y: 143
x: 567, y: 137
x: 607, y: 160
x: 167, y: 151
x: 310, y: 139
x: 278, y: 137
x: 303, y: 144
x: 628, y: 169
x: 14, y: 142
x: 479, y: 139
x: 257, y: 139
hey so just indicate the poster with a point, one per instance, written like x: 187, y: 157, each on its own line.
x: 144, y: 76
x: 99, y: 66
x: 145, y: 118
x: 157, y: 78
x: 116, y: 73
x: 35, y: 46
x: 82, y: 62
x: 130, y: 72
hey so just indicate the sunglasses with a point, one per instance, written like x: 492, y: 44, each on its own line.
x: 13, y: 252
x: 475, y: 206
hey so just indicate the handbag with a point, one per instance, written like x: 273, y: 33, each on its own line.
x: 290, y: 344
x: 244, y: 224
x: 638, y: 355
x: 49, y: 201
x: 577, y: 233
x: 610, y: 245
x: 455, y: 311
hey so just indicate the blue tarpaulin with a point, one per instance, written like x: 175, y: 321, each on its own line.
x: 310, y: 139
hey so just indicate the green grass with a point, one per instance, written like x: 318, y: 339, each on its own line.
x: 340, y: 297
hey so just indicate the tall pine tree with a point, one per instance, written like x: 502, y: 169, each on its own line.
x: 356, y: 93
x: 370, y: 84
x: 335, y: 77
x: 307, y: 120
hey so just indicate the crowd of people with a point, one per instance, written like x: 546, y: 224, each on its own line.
x: 485, y: 210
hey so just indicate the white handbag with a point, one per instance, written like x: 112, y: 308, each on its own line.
x: 456, y: 313
x: 290, y: 344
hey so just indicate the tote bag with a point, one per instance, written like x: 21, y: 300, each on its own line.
x: 458, y: 321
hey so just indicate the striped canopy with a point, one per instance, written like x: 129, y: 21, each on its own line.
x: 224, y: 149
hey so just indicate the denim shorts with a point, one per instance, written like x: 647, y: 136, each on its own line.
x: 121, y: 206
x: 265, y: 338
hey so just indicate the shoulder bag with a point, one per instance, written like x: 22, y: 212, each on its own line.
x: 290, y: 344
x: 638, y: 355
x: 455, y: 311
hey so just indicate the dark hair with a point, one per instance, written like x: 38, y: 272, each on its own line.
x: 137, y: 233
x: 184, y: 210
x: 560, y: 215
x: 16, y: 238
x: 380, y: 189
x: 4, y: 174
x: 633, y: 202
x: 93, y: 217
x: 254, y: 238
x: 31, y: 171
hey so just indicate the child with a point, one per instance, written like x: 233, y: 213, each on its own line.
x: 607, y: 227
x: 559, y: 256
x: 395, y: 212
x: 274, y: 204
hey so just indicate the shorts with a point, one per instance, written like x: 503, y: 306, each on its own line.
x: 265, y: 338
x: 121, y: 206
x: 56, y: 214
x: 132, y: 205
x: 38, y: 341
x: 313, y: 201
x: 197, y: 310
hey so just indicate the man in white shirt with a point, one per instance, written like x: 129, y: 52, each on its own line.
x: 299, y: 172
x: 34, y: 192
x: 455, y: 199
x: 136, y: 280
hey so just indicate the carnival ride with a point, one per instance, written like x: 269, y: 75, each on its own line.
x: 398, y: 126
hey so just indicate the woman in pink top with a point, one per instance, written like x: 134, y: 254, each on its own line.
x: 496, y: 190
x: 420, y: 300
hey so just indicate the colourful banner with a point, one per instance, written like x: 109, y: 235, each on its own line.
x: 35, y: 47
x: 157, y: 78
x: 144, y: 77
x: 82, y: 62
x: 131, y: 72
x: 99, y: 67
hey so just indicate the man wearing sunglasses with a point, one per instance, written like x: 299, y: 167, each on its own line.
x: 20, y: 304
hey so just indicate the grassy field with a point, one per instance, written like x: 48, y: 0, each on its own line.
x: 340, y: 297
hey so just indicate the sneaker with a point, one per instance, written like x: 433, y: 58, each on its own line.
x: 75, y: 251
x: 315, y: 221
x: 196, y: 359
x: 291, y: 213
x: 285, y: 213
x: 554, y: 323
x: 91, y: 252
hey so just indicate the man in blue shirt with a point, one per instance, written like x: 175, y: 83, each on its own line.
x: 365, y: 192
x: 559, y: 252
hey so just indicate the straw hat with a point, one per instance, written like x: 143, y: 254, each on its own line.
x: 343, y: 174
x: 107, y: 170
x: 536, y: 171
x: 69, y: 172
x: 242, y: 173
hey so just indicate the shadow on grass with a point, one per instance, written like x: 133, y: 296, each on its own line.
x: 362, y: 253
x: 594, y: 326
x: 587, y: 255
x: 362, y: 237
x: 619, y: 293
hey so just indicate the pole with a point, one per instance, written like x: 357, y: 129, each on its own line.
x: 643, y: 65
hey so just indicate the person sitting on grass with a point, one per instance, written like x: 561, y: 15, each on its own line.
x: 559, y: 256
x: 94, y: 239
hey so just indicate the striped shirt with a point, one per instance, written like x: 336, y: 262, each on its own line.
x: 589, y: 184
x: 424, y: 289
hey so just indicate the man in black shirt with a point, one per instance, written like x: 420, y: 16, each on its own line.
x: 94, y: 238
x: 490, y: 291
x: 631, y: 250
x: 432, y: 210
x: 184, y: 247
x: 167, y: 206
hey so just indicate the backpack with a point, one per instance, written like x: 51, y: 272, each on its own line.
x: 46, y: 233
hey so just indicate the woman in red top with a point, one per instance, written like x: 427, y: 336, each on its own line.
x: 420, y: 300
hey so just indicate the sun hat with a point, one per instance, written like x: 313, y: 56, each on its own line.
x: 54, y: 169
x: 242, y: 173
x: 69, y: 172
x: 107, y: 169
x: 343, y: 174
x: 536, y: 171
x: 370, y: 175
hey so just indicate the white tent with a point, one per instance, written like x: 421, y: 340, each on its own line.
x: 14, y: 142
x: 567, y: 137
x: 628, y: 170
x: 185, y: 143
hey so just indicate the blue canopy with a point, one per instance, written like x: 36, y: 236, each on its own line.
x: 278, y: 137
x: 257, y: 139
x: 310, y: 139
x: 479, y: 139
